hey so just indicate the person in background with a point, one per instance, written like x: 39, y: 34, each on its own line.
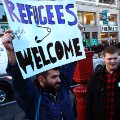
x: 103, y: 90
x: 49, y: 99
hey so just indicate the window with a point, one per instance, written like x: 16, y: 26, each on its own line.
x: 107, y: 1
x: 86, y: 18
x: 89, y: 0
x: 112, y: 20
x: 94, y: 35
x: 87, y: 35
x: 100, y: 17
x: 80, y: 17
x: 89, y: 18
x: 112, y: 35
x: 112, y: 17
x: 94, y: 38
x: 3, y: 17
x: 86, y: 39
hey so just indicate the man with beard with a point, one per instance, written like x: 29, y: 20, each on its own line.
x: 103, y: 94
x: 49, y: 99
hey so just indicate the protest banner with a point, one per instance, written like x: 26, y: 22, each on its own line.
x: 46, y: 34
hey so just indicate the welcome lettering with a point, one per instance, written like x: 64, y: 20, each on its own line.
x: 61, y: 49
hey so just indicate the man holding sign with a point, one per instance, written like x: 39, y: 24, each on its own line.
x: 51, y: 96
x: 46, y: 36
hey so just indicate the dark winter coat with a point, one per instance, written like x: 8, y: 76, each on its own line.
x: 96, y: 93
x: 27, y: 95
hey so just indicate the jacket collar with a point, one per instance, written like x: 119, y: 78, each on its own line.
x: 101, y: 73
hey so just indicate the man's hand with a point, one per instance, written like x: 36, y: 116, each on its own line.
x: 7, y: 42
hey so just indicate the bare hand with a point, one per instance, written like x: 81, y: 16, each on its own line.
x: 7, y: 40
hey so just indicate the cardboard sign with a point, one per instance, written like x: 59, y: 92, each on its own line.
x: 46, y: 34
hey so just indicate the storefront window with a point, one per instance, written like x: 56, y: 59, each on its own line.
x: 113, y: 38
x: 94, y: 38
x: 107, y: 1
x: 112, y: 35
x: 80, y: 17
x: 87, y: 39
x: 112, y: 19
x: 100, y: 17
x: 89, y: 0
x: 89, y: 18
x: 3, y: 17
x: 112, y: 42
x: 86, y: 18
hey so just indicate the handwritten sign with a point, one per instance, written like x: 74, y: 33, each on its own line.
x: 46, y: 34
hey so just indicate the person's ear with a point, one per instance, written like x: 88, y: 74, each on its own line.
x: 41, y: 80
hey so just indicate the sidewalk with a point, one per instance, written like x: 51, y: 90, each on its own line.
x: 9, y: 110
x: 19, y: 116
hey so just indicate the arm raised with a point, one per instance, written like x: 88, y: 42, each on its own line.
x: 7, y: 42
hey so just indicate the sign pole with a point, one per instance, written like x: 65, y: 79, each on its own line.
x: 105, y: 18
x: 108, y: 32
x: 108, y: 27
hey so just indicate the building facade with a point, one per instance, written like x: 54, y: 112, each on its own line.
x: 90, y: 15
x: 3, y: 19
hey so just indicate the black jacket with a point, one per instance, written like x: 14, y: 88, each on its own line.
x: 96, y: 93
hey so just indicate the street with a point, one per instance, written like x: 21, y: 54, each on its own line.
x: 9, y: 110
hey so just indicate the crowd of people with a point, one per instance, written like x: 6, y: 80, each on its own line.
x: 100, y: 47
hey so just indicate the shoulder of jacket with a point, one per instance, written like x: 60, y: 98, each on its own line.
x: 100, y: 71
x: 98, y: 74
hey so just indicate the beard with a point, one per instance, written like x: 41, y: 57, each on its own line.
x: 52, y: 88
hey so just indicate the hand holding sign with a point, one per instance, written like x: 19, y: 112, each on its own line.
x: 7, y: 42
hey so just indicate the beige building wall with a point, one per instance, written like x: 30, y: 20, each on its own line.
x: 97, y: 8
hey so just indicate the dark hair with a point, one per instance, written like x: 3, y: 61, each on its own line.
x: 111, y: 49
x: 44, y: 74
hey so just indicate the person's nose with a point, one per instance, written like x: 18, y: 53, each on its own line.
x: 58, y: 79
x: 112, y: 60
